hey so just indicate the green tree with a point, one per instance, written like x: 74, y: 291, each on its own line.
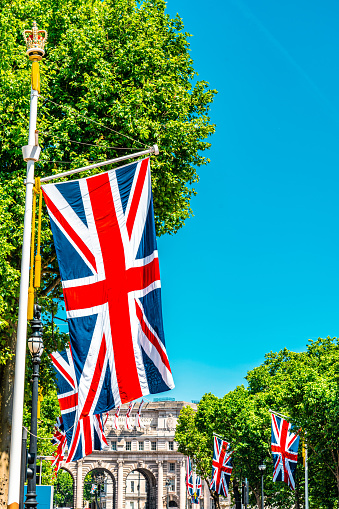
x: 63, y: 490
x: 117, y: 77
x: 304, y: 386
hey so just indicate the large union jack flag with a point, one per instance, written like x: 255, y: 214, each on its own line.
x: 84, y: 435
x: 284, y: 447
x: 221, y: 467
x: 104, y: 235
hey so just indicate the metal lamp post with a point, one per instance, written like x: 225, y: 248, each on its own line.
x: 262, y: 469
x: 36, y: 348
x: 168, y: 484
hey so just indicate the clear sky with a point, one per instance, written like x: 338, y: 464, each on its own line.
x: 256, y: 269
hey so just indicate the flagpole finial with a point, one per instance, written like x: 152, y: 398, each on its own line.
x: 35, y: 42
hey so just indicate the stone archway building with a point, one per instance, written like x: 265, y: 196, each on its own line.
x: 150, y: 450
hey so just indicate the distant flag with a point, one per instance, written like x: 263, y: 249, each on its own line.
x: 189, y: 477
x: 128, y: 413
x: 221, y: 467
x: 198, y: 486
x: 284, y: 447
x: 88, y: 436
x: 59, y: 439
x: 138, y: 423
x: 104, y: 235
x: 93, y: 488
x: 116, y: 417
x: 193, y: 483
x: 83, y: 435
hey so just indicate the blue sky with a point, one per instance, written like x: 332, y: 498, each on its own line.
x: 256, y: 269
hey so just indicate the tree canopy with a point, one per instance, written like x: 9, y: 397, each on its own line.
x: 302, y: 386
x: 117, y: 77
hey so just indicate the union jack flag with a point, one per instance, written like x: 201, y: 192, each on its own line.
x: 221, y: 467
x: 128, y: 413
x: 83, y: 435
x: 104, y: 235
x: 138, y: 423
x: 189, y: 478
x: 59, y: 439
x: 197, y: 488
x: 284, y: 447
x: 116, y: 417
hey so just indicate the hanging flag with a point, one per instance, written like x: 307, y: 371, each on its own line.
x: 128, y: 413
x: 284, y: 447
x: 116, y: 416
x: 221, y: 467
x: 88, y: 436
x: 138, y: 423
x: 104, y: 236
x: 198, y: 488
x: 193, y: 483
x: 59, y: 439
x: 189, y: 477
x: 83, y: 435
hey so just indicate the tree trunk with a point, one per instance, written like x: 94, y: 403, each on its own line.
x: 236, y: 493
x: 257, y: 496
x: 216, y: 499
x: 6, y: 400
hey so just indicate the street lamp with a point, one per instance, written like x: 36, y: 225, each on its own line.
x: 36, y: 348
x: 99, y: 479
x: 168, y: 484
x: 262, y: 469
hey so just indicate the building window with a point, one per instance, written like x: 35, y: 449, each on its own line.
x: 141, y: 446
x: 113, y: 446
x: 172, y: 467
x: 171, y: 486
x: 171, y: 446
x: 153, y: 446
x: 132, y: 505
x: 132, y: 486
x: 128, y: 446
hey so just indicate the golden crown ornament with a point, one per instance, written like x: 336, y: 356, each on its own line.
x: 35, y: 41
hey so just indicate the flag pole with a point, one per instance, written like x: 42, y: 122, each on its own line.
x: 35, y: 40
x: 152, y: 150
x: 306, y: 474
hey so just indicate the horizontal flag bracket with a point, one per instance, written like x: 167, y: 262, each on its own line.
x: 152, y: 150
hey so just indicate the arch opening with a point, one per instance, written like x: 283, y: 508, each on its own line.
x: 140, y: 490
x: 63, y: 495
x: 99, y: 491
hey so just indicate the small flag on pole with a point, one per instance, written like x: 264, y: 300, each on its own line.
x: 128, y: 413
x: 138, y: 423
x: 221, y: 467
x: 284, y: 447
x: 116, y: 417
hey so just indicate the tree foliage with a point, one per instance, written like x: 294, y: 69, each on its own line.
x: 117, y: 78
x: 302, y: 386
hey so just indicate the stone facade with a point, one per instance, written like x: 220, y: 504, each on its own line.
x: 143, y: 467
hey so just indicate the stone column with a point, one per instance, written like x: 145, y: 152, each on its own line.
x: 160, y: 484
x: 182, y: 496
x: 207, y: 496
x: 79, y: 486
x: 120, y: 483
